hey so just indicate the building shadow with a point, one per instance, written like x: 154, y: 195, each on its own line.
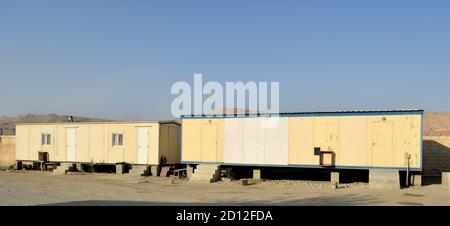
x: 436, y: 159
x: 342, y: 200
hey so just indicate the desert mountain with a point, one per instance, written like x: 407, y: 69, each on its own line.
x: 436, y: 124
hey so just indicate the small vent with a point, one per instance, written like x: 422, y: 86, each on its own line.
x: 316, y: 150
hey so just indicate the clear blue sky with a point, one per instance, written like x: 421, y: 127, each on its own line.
x: 118, y: 59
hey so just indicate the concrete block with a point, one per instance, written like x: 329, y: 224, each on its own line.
x: 120, y: 168
x: 334, y: 178
x: 257, y: 174
x: 189, y: 171
x: 154, y: 170
x: 140, y: 170
x: 384, y: 179
x: 446, y: 179
x: 416, y: 180
x: 79, y: 167
x: 246, y: 182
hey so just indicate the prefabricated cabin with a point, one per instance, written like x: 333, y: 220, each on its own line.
x: 142, y: 143
x: 389, y: 139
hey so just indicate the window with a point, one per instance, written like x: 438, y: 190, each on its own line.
x: 46, y: 139
x: 117, y: 139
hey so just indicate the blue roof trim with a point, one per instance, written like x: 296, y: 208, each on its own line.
x: 309, y: 114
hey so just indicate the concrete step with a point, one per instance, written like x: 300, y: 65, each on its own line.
x: 139, y: 170
x: 206, y: 173
x: 63, y: 168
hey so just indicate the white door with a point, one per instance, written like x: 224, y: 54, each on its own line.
x: 70, y: 142
x: 142, y: 146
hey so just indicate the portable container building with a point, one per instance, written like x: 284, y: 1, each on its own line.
x: 343, y: 140
x: 140, y: 143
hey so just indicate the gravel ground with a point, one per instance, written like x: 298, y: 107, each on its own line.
x: 42, y: 188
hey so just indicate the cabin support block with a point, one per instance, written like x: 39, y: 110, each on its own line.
x: 154, y: 170
x: 384, y: 179
x: 446, y: 179
x: 120, y: 168
x: 334, y: 178
x: 79, y: 167
x: 416, y: 180
x: 189, y: 171
x: 256, y: 174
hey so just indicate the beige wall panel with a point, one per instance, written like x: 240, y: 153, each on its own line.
x: 61, y: 141
x: 35, y: 142
x: 209, y: 143
x: 193, y: 134
x: 191, y: 140
x: 97, y: 144
x: 129, y: 150
x: 326, y: 133
x: 353, y: 141
x: 381, y: 143
x: 301, y: 141
x: 404, y: 137
x: 22, y: 142
x: 409, y: 141
x: 153, y: 140
x: 82, y: 148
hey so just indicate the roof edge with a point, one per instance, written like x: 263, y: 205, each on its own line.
x: 98, y: 122
x: 309, y: 113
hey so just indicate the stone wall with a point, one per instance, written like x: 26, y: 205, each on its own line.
x: 7, y: 151
x: 436, y: 154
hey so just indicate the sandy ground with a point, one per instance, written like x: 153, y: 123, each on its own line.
x: 41, y: 188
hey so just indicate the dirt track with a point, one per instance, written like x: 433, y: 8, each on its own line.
x: 36, y: 188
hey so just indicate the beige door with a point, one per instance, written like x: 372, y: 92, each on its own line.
x: 209, y: 143
x: 382, y: 144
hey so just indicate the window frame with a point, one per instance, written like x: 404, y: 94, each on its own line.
x: 117, y: 139
x: 46, y: 139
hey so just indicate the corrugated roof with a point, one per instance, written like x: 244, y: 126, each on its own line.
x: 315, y: 113
x: 355, y: 111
